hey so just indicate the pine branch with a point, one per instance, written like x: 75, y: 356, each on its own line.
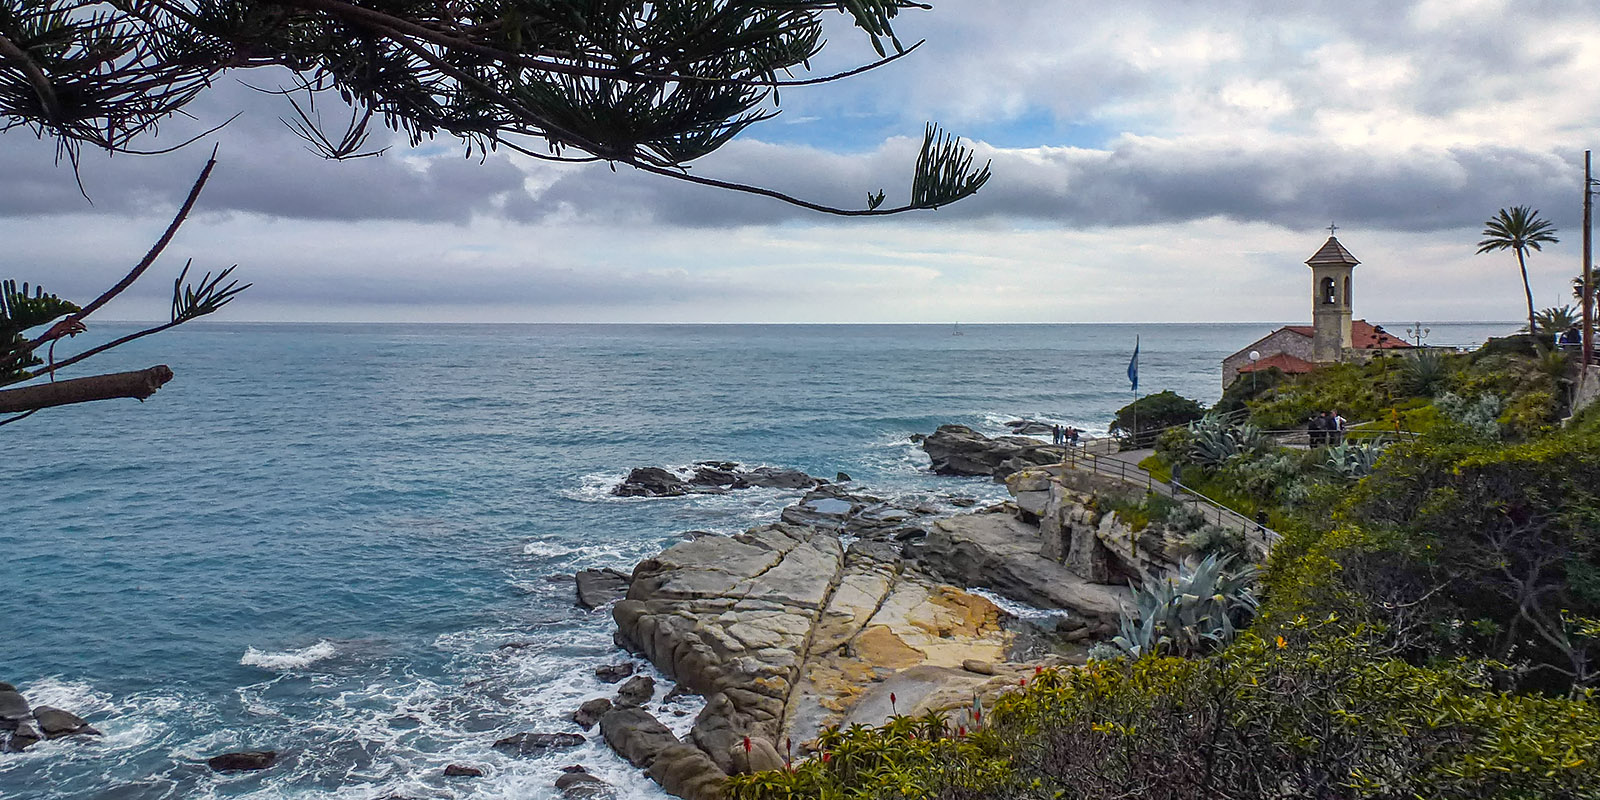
x: 138, y: 384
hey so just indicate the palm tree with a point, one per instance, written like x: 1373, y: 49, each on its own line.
x: 1552, y: 321
x: 1519, y: 229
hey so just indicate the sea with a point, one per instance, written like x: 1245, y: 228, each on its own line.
x: 353, y: 544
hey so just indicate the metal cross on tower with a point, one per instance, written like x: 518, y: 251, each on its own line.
x: 1331, y: 228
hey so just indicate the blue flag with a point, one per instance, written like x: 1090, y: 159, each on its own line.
x: 1133, y: 365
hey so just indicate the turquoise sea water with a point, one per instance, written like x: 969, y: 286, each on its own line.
x: 318, y: 537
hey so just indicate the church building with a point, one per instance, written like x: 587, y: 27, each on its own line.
x: 1332, y: 336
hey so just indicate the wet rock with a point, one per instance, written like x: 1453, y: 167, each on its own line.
x: 715, y: 475
x: 960, y: 450
x: 979, y: 667
x: 636, y: 735
x: 243, y: 760
x: 582, y: 785
x: 13, y: 709
x: 462, y: 771
x: 590, y: 712
x: 776, y: 478
x: 57, y: 723
x: 596, y: 587
x: 676, y: 692
x: 515, y: 645
x: 6, y: 687
x: 651, y: 482
x: 525, y: 744
x: 686, y: 771
x: 637, y: 691
x: 841, y: 478
x: 963, y: 502
x: 25, y: 736
x: 611, y: 673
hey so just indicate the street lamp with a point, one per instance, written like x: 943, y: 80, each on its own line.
x: 1418, y: 333
x: 1255, y: 355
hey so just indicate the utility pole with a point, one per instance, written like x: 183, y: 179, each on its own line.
x: 1588, y: 269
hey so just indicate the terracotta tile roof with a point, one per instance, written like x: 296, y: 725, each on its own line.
x: 1283, y: 361
x: 1363, y: 335
x: 1332, y: 253
x: 1371, y: 337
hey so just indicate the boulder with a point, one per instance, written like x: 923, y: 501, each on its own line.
x: 979, y: 667
x: 841, y: 478
x: 596, y: 587
x: 637, y: 691
x: 686, y: 771
x: 635, y: 734
x: 590, y: 712
x: 462, y: 771
x: 611, y: 673
x: 13, y: 709
x: 651, y: 482
x: 526, y: 744
x: 57, y: 723
x: 582, y: 785
x: 754, y: 754
x: 243, y: 760
x: 24, y: 736
x: 960, y: 450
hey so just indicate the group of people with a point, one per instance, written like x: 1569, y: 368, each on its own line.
x: 1063, y: 435
x: 1326, y: 428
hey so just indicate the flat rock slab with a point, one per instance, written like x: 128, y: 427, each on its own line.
x: 527, y: 744
x: 996, y: 552
x: 596, y: 587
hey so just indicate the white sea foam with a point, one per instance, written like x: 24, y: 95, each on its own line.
x: 1020, y: 610
x: 546, y: 549
x: 288, y: 659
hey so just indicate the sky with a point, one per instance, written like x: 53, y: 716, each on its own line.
x: 1153, y: 161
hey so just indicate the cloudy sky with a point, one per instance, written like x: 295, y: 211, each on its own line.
x: 1159, y: 161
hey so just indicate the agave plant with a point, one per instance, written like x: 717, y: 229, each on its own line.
x: 1352, y: 461
x: 1423, y: 373
x: 1214, y: 441
x: 1200, y: 609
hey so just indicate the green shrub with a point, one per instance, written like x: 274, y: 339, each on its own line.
x: 1311, y: 713
x: 1155, y: 412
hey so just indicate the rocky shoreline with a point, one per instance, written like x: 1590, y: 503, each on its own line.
x: 853, y: 608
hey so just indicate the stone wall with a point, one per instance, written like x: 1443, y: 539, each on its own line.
x: 1279, y: 341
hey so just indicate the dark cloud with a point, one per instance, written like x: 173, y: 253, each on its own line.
x: 1296, y: 184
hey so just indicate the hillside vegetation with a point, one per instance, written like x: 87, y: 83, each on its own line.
x: 1429, y: 626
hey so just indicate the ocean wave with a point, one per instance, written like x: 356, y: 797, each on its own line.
x: 288, y: 659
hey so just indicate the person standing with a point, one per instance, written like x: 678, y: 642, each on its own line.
x: 1336, y: 425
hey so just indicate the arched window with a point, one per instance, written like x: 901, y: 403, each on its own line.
x: 1330, y: 291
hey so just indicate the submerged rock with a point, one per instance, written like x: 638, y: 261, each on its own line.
x: 526, y: 744
x: 243, y: 760
x: 462, y: 771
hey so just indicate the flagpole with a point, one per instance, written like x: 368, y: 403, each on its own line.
x: 1133, y: 376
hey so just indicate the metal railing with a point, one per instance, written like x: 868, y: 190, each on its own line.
x: 1259, y: 536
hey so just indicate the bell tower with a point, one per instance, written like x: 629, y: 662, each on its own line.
x: 1331, y: 270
